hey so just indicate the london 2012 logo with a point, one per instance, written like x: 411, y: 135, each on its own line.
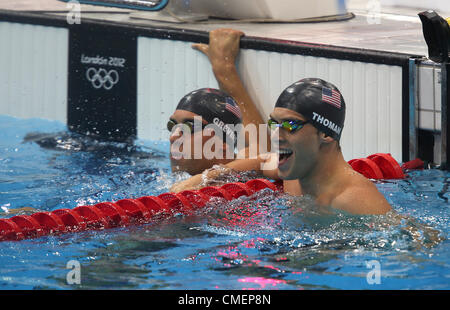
x: 101, y: 78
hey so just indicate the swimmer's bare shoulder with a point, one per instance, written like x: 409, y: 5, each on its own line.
x: 360, y: 196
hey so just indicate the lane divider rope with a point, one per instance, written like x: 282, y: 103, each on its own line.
x: 145, y: 209
x: 123, y: 212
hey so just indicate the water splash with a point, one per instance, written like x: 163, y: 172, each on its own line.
x: 252, y: 242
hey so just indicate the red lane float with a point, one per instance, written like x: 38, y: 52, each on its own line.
x: 388, y: 166
x: 413, y: 164
x: 28, y: 225
x: 378, y: 166
x: 9, y: 230
x: 142, y: 210
x: 93, y: 218
x: 367, y: 168
x: 71, y: 220
x: 123, y: 212
x: 49, y: 222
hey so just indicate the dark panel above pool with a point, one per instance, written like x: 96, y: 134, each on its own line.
x: 102, y: 84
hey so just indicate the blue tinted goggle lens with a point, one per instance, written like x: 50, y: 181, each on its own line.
x: 288, y: 125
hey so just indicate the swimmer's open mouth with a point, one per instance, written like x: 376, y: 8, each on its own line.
x: 283, y: 155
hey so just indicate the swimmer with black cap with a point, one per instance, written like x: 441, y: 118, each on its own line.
x: 222, y: 50
x: 307, y: 123
x: 200, y: 109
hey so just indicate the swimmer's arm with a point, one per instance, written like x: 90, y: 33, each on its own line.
x: 193, y: 183
x: 255, y: 164
x: 245, y: 165
x: 262, y: 165
x: 197, y: 181
x: 361, y: 200
x: 222, y: 51
x: 291, y: 187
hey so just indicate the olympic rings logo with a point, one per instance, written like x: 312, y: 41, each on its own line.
x: 102, y: 78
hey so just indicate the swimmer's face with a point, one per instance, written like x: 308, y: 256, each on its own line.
x: 186, y: 147
x: 298, y: 150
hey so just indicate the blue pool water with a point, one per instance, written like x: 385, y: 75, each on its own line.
x: 270, y: 241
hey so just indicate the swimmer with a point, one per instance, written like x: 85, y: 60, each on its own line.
x: 308, y: 120
x: 337, y: 185
x: 222, y: 50
x: 211, y: 108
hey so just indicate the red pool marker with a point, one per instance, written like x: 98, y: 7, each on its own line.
x: 197, y: 199
x: 123, y: 212
x: 367, y: 168
x: 50, y: 222
x: 176, y: 202
x: 10, y: 230
x: 135, y: 209
x: 115, y: 214
x: 71, y: 220
x: 29, y: 226
x: 378, y: 166
x: 154, y: 205
x: 145, y: 209
x: 93, y: 218
x: 237, y: 189
x: 388, y: 166
x: 413, y: 164
x: 215, y: 191
x: 259, y: 184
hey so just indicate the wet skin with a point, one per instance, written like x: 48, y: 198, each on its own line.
x: 188, y: 162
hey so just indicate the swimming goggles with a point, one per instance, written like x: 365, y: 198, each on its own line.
x: 190, y: 125
x: 290, y: 126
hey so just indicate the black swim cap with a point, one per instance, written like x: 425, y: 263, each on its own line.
x: 317, y: 100
x: 215, y: 106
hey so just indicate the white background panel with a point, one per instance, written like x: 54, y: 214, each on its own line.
x: 373, y: 94
x: 33, y: 77
x: 167, y: 70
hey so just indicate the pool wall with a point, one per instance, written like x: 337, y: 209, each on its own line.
x: 51, y: 69
x: 33, y: 74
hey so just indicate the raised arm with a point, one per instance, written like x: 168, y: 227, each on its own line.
x: 222, y: 51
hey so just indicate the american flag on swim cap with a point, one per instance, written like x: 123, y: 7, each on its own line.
x: 213, y: 91
x: 331, y: 96
x: 230, y: 105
